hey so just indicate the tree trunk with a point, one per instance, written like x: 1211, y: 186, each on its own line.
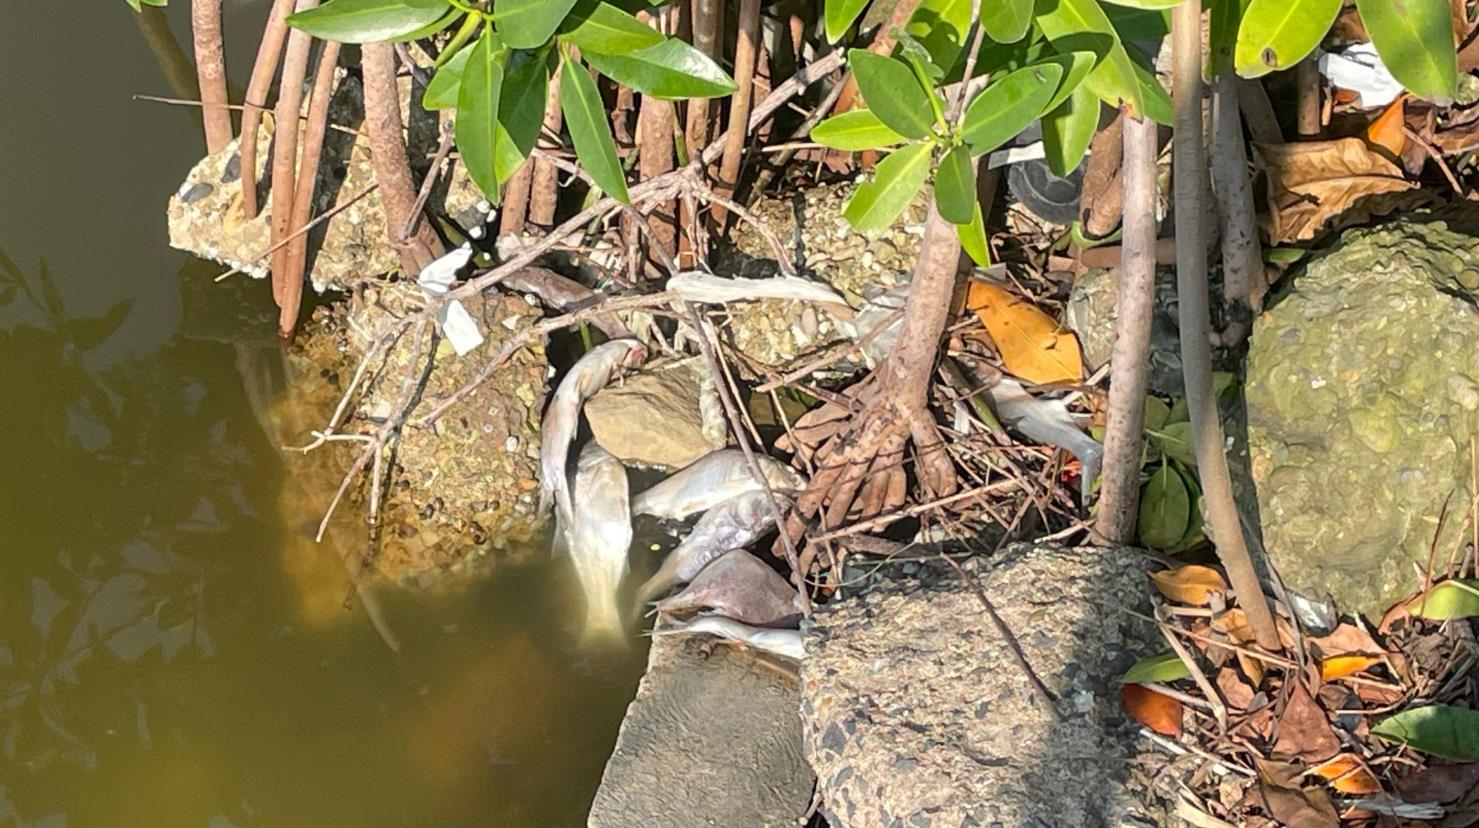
x: 388, y: 152
x: 210, y: 68
x: 1190, y: 175
x: 269, y: 52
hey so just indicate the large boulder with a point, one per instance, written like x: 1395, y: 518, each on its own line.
x: 707, y: 741
x: 915, y: 712
x: 667, y: 414
x: 1363, y: 404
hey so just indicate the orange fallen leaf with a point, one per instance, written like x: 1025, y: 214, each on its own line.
x: 1156, y: 711
x: 1348, y: 774
x: 1387, y: 130
x: 1032, y: 345
x: 1191, y: 584
x: 1345, y: 665
x: 1318, y: 185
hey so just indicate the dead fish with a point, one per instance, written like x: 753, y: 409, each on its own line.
x: 711, y: 480
x: 562, y: 419
x: 733, y: 524
x: 698, y: 286
x: 600, y: 537
x: 1047, y: 421
x: 781, y: 642
x: 738, y: 585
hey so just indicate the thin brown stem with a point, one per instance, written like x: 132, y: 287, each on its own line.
x: 285, y: 149
x: 1190, y: 174
x: 745, y: 50
x: 303, y: 189
x: 1129, y: 369
x: 210, y: 68
x: 269, y: 52
x: 1307, y: 80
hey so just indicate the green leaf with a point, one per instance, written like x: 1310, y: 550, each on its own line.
x: 1415, y: 40
x: 1222, y: 34
x: 919, y: 57
x: 1438, y: 729
x: 1151, y: 5
x: 1164, y: 667
x: 1155, y: 101
x: 973, y: 238
x: 477, y: 111
x: 1067, y: 131
x: 1195, y: 522
x: 1165, y: 509
x: 1276, y: 34
x: 1076, y: 66
x: 940, y: 26
x: 1156, y: 413
x: 1008, y: 105
x: 585, y: 116
x: 893, y: 92
x: 1448, y: 600
x: 838, y: 17
x: 529, y: 24
x: 429, y: 29
x: 444, y: 87
x: 1006, y: 21
x: 156, y: 3
x: 854, y: 131
x: 1283, y: 255
x: 672, y: 70
x: 955, y: 186
x: 368, y: 21
x: 1113, y: 79
x: 604, y: 28
x: 875, y: 204
x: 520, y: 114
x: 1174, y: 439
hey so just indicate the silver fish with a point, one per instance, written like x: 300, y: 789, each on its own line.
x: 738, y: 585
x: 562, y: 419
x: 1047, y: 421
x: 733, y: 524
x: 698, y: 286
x: 781, y: 642
x: 600, y: 537
x: 711, y: 480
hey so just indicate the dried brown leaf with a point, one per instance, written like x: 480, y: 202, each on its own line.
x: 1234, y: 690
x: 1191, y: 584
x: 1304, y: 730
x: 1440, y: 783
x: 1319, y: 185
x: 1348, y: 774
x: 1156, y: 711
x: 1290, y: 805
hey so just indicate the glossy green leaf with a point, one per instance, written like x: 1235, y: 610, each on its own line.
x: 1006, y: 21
x: 1222, y: 33
x: 1174, y: 439
x: 1196, y: 522
x: 604, y: 28
x: 893, y: 92
x: 1165, y: 509
x: 1157, y: 413
x: 896, y: 180
x: 1008, y: 105
x: 1438, y: 729
x: 477, y: 111
x: 1415, y: 40
x: 529, y: 24
x: 1138, y: 25
x: 955, y: 186
x: 1149, y: 5
x: 919, y: 58
x: 672, y: 70
x: 1155, y: 101
x: 1076, y: 66
x: 1448, y: 600
x: 585, y: 116
x: 368, y: 21
x: 1113, y: 79
x: 1164, y: 667
x: 137, y: 4
x: 1068, y: 129
x: 854, y: 131
x: 520, y: 114
x: 973, y: 238
x: 1276, y: 34
x: 941, y: 26
x: 429, y: 29
x: 838, y: 17
x: 444, y: 87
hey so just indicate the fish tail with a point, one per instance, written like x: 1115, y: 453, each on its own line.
x: 604, y: 621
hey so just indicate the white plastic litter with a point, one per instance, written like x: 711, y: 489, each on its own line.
x: 1359, y: 69
x: 435, y: 280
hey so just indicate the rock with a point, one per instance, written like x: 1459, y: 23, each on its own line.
x: 348, y: 249
x: 914, y: 712
x: 1091, y: 316
x: 1363, y: 405
x: 706, y: 742
x: 665, y: 415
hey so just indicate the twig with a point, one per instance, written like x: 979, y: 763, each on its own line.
x: 919, y: 508
x: 1437, y: 156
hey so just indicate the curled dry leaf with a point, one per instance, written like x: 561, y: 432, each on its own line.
x: 1317, y: 185
x: 1386, y: 131
x: 1191, y: 584
x: 1345, y: 665
x: 1348, y: 774
x: 1032, y: 345
x: 1304, y: 730
x: 1156, y: 711
x: 1282, y: 799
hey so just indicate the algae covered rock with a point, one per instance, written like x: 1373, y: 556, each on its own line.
x: 1363, y: 403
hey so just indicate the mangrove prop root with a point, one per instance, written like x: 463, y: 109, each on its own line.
x: 745, y: 48
x: 1243, y: 277
x: 1189, y: 170
x: 1119, y: 492
x: 269, y: 54
x: 285, y: 149
x: 544, y: 186
x: 303, y: 189
x: 210, y: 68
x: 388, y: 153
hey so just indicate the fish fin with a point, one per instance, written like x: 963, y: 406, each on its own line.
x: 560, y: 545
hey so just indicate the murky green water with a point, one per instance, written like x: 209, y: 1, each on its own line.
x: 172, y: 651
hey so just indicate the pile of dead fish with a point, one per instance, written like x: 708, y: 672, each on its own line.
x: 726, y: 591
